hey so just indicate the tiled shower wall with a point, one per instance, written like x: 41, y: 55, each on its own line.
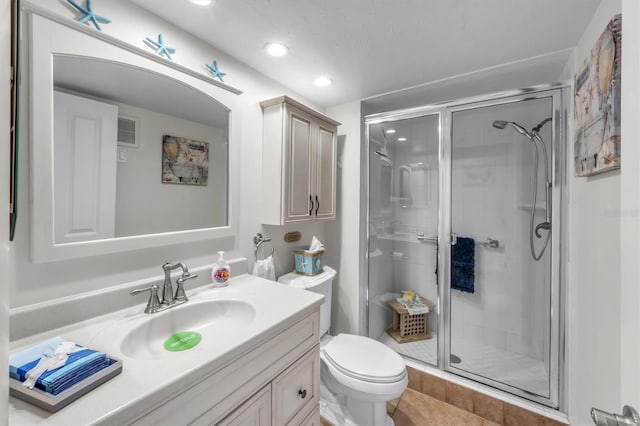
x: 491, y: 194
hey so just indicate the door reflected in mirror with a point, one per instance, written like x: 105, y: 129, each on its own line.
x: 110, y: 119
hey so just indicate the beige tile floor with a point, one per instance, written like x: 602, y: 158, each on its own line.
x: 417, y: 409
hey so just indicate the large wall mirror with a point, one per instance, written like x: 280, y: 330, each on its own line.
x: 126, y: 153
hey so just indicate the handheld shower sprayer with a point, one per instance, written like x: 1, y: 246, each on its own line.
x: 538, y: 144
x: 501, y: 124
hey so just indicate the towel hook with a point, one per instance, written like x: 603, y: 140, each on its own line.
x: 258, y: 239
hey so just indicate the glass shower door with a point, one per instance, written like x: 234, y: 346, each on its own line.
x: 500, y: 297
x: 403, y: 228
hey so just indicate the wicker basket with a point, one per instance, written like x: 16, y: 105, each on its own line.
x: 409, y: 328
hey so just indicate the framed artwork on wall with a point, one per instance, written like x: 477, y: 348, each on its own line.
x: 597, y: 104
x: 184, y: 161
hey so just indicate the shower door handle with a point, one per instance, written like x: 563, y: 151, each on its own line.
x: 602, y: 418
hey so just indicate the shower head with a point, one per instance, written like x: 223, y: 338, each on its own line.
x: 501, y: 124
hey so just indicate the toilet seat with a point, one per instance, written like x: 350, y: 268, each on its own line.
x: 364, y: 359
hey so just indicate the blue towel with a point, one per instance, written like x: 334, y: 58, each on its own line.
x: 463, y: 254
x: 80, y: 365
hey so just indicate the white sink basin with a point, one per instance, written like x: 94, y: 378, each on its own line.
x: 211, y: 319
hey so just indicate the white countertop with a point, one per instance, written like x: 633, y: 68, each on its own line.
x: 145, y: 382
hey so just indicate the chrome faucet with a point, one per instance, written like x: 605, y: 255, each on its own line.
x: 167, y: 287
x: 169, y: 298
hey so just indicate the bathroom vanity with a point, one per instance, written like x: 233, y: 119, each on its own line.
x: 257, y: 363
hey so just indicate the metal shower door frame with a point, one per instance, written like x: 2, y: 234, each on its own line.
x: 558, y: 95
x: 370, y: 120
x: 559, y: 92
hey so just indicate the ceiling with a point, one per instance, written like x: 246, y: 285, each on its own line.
x: 370, y: 47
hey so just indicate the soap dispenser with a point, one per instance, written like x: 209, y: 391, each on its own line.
x: 220, y: 272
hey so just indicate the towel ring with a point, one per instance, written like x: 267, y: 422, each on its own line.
x: 258, y: 239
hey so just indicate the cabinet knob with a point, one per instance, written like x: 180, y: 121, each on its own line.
x: 302, y: 393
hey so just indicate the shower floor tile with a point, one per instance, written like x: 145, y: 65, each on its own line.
x: 484, y: 360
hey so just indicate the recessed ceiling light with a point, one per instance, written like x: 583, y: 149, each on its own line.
x: 391, y: 131
x: 402, y: 139
x: 322, y: 81
x: 276, y: 49
x: 201, y: 2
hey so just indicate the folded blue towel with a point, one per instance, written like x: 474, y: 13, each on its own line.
x: 463, y: 254
x: 78, y: 366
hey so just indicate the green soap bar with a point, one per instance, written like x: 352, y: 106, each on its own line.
x: 182, y: 341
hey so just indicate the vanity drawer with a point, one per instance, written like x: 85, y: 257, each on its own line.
x: 296, y: 391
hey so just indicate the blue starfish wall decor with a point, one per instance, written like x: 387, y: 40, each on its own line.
x: 89, y: 15
x: 213, y: 68
x: 161, y: 48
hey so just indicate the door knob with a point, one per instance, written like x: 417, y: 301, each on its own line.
x: 602, y: 418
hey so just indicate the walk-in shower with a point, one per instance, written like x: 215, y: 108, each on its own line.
x: 464, y: 207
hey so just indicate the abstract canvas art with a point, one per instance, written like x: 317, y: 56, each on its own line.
x: 597, y: 104
x: 184, y: 161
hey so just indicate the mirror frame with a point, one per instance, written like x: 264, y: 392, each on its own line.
x: 46, y: 38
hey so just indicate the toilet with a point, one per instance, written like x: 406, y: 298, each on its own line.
x: 358, y: 375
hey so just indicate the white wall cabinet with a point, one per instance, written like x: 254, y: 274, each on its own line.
x: 299, y: 160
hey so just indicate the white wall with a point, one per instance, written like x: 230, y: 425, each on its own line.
x: 343, y: 235
x: 45, y: 282
x: 594, y: 299
x: 6, y: 273
x: 630, y: 207
x: 168, y: 207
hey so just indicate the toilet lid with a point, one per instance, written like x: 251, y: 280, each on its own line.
x: 364, y: 359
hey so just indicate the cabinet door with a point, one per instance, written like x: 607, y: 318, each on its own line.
x: 325, y: 173
x: 313, y: 419
x: 254, y: 412
x: 300, y: 149
x: 296, y: 391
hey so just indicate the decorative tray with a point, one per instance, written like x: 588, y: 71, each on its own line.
x: 53, y: 403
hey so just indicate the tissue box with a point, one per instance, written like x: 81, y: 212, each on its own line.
x: 308, y: 263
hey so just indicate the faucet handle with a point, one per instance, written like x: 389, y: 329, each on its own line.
x: 181, y: 296
x: 153, y: 305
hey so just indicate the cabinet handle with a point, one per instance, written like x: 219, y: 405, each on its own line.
x: 317, y: 205
x: 310, y: 208
x: 302, y: 393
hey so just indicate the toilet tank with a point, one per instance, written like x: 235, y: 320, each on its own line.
x: 321, y: 283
